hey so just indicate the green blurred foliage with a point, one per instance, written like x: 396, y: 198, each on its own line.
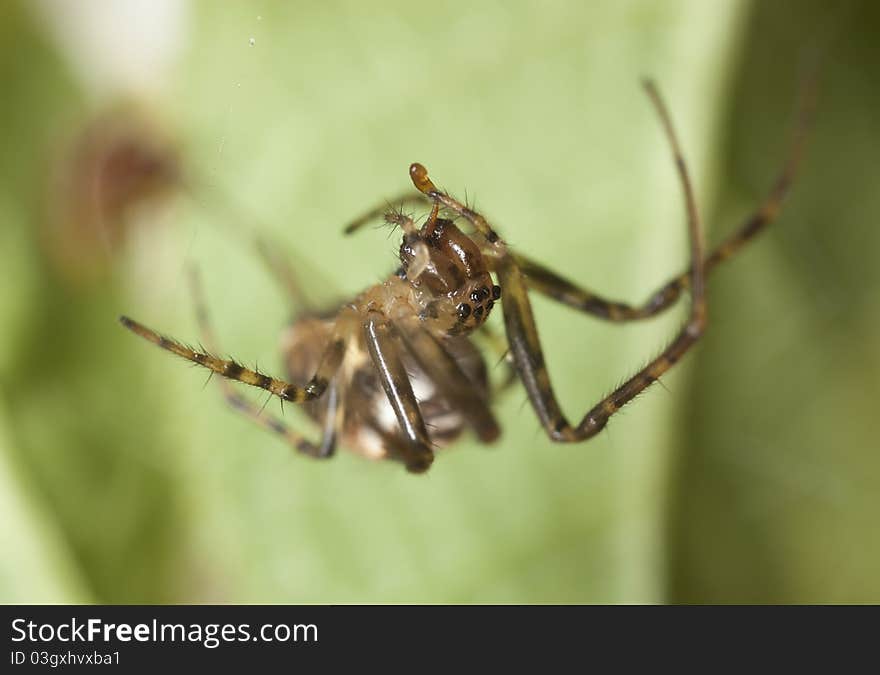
x: 751, y: 478
x: 777, y: 488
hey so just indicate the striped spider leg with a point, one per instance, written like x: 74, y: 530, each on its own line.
x: 549, y: 283
x: 327, y: 445
x: 521, y: 330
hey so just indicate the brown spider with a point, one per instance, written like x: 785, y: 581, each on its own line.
x: 394, y: 373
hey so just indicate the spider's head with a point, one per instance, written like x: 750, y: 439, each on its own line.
x: 443, y: 260
x: 440, y: 257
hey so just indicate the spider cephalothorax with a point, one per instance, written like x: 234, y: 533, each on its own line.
x: 394, y: 373
x: 446, y: 265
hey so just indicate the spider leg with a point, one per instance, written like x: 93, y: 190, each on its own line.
x: 384, y: 345
x: 547, y: 282
x: 327, y: 445
x: 419, y: 176
x: 562, y: 290
x: 242, y: 226
x: 522, y: 331
x: 323, y: 450
x: 451, y: 380
x: 280, y: 268
x: 330, y: 362
x: 380, y: 210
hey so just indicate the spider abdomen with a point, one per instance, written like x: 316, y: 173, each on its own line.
x: 366, y: 422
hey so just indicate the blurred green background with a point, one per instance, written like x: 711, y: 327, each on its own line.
x: 752, y: 476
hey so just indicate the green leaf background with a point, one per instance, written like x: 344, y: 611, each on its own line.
x: 752, y: 476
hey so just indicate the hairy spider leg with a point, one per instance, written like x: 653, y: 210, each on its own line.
x: 327, y: 445
x: 330, y: 362
x: 451, y: 381
x: 384, y: 346
x: 381, y: 210
x: 419, y: 176
x: 522, y: 333
x: 547, y: 282
x: 281, y: 270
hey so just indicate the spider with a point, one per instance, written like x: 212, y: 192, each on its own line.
x: 394, y: 373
